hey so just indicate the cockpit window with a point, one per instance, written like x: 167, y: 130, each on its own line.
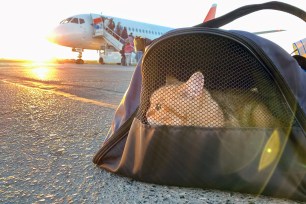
x: 65, y: 21
x: 75, y: 20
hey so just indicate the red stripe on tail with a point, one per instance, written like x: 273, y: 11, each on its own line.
x: 211, y: 13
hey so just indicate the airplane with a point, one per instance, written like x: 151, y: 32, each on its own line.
x: 89, y: 31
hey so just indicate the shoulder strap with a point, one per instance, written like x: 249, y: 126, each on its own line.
x: 245, y: 10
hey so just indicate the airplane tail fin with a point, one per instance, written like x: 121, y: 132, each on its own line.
x: 211, y: 13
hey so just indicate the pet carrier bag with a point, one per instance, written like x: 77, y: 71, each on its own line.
x: 213, y: 108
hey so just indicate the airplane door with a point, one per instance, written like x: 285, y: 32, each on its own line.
x: 83, y: 29
x: 97, y: 25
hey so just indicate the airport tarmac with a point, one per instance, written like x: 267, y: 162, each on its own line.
x: 54, y: 118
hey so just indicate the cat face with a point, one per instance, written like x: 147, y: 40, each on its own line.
x: 179, y: 103
x: 160, y: 105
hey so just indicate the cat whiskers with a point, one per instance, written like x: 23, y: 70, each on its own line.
x: 183, y: 118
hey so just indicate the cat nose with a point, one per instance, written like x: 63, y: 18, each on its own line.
x: 149, y: 113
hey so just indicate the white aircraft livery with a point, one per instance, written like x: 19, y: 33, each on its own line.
x: 106, y: 34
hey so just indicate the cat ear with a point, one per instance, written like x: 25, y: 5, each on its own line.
x: 194, y: 85
x: 171, y: 80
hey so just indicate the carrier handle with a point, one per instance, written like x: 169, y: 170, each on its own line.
x: 245, y: 10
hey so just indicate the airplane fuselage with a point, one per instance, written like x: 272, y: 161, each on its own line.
x: 78, y: 31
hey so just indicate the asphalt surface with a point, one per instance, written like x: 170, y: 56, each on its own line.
x: 53, y: 119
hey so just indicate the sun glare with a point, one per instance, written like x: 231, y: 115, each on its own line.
x: 43, y: 73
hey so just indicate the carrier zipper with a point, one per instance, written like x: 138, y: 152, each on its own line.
x: 257, y: 52
x: 114, y: 139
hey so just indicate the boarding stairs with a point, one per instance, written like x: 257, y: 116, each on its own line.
x: 108, y: 35
x: 101, y: 30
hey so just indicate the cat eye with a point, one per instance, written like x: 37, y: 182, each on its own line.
x: 157, y: 106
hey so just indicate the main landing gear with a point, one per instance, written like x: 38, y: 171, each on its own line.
x: 79, y: 60
x: 101, y: 61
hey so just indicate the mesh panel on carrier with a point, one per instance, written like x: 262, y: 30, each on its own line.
x: 233, y: 76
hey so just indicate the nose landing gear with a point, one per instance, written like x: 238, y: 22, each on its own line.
x: 79, y: 60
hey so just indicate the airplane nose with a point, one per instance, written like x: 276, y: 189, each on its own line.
x: 65, y: 35
x: 55, y: 35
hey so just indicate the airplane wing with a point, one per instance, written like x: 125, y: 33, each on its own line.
x: 211, y: 13
x: 268, y: 31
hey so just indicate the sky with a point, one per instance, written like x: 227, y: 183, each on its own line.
x: 25, y: 24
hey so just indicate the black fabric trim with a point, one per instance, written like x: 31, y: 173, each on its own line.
x: 245, y: 10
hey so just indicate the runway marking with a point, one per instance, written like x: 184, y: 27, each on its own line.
x: 67, y: 95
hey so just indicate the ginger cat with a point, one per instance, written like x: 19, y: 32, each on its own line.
x: 244, y: 109
x: 190, y: 104
x: 183, y: 104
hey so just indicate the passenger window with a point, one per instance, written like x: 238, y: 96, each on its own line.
x: 82, y: 21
